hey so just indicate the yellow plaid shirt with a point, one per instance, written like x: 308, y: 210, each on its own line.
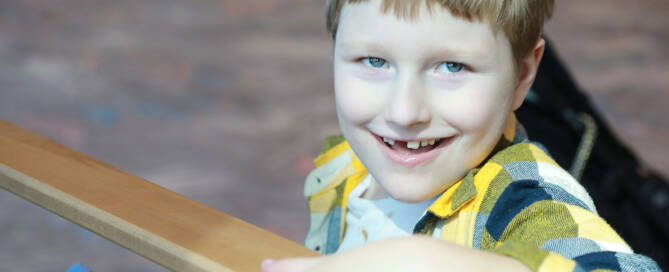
x: 518, y: 203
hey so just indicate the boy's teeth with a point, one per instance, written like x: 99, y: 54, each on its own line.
x: 413, y: 144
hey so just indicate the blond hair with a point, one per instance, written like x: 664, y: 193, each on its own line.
x: 521, y: 20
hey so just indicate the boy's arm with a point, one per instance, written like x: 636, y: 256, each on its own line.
x: 415, y: 253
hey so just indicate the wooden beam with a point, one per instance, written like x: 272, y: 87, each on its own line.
x: 163, y: 226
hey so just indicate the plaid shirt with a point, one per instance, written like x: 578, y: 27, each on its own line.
x: 518, y: 203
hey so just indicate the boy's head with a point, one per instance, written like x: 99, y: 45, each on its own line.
x: 445, y: 74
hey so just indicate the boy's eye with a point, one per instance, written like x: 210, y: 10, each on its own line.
x: 374, y: 62
x: 450, y: 67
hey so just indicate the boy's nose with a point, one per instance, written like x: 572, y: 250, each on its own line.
x: 407, y: 106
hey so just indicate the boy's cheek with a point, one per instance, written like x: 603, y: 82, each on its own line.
x: 357, y: 105
x: 469, y: 121
x: 471, y: 112
x: 462, y: 115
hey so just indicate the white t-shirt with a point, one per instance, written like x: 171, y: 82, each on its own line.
x: 373, y: 220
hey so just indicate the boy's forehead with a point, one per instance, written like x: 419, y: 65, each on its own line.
x: 367, y: 26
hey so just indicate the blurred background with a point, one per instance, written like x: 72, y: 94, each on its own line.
x: 227, y: 101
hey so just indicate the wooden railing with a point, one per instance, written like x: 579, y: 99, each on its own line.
x: 163, y: 226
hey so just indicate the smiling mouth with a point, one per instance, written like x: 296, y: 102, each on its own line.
x: 412, y: 152
x: 412, y: 147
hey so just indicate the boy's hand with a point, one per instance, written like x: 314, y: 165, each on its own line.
x: 415, y: 253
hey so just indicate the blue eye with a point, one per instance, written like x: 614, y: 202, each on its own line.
x: 374, y: 62
x: 450, y: 67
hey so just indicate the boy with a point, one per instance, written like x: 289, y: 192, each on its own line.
x: 425, y: 93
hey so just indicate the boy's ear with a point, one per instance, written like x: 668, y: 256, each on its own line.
x: 527, y: 70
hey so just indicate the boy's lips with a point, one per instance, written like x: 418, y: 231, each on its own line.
x: 397, y: 151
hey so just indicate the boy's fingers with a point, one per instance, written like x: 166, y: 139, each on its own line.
x: 292, y: 264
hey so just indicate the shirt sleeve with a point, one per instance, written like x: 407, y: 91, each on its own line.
x: 548, y: 229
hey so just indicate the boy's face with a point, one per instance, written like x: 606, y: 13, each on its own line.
x: 437, y: 78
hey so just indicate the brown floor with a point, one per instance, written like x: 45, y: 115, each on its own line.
x: 227, y: 101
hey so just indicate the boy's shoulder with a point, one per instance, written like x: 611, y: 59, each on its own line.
x: 528, y: 165
x: 527, y: 207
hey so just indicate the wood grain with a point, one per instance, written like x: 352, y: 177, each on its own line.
x: 172, y: 230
